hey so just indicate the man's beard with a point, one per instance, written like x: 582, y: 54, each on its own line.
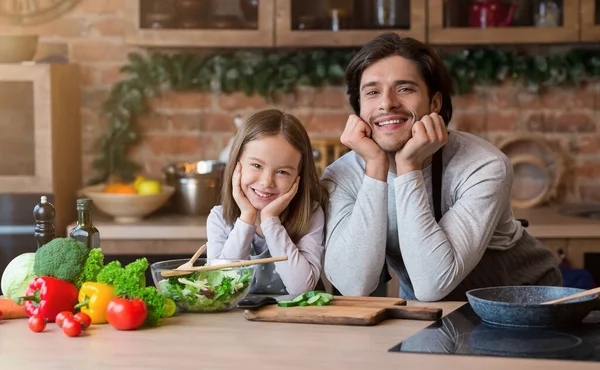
x: 389, y: 146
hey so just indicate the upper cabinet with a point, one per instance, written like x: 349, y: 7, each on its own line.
x: 346, y: 22
x: 503, y: 21
x: 350, y: 23
x: 207, y: 23
x: 590, y: 20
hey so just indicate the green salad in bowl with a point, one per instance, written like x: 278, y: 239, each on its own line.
x: 203, y: 291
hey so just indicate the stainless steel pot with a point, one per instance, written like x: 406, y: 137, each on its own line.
x: 197, y: 186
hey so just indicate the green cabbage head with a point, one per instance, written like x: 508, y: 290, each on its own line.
x: 17, y: 276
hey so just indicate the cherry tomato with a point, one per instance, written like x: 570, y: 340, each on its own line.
x: 37, y: 323
x: 71, y: 326
x: 126, y: 314
x: 61, y: 317
x: 84, y: 319
x: 1, y: 315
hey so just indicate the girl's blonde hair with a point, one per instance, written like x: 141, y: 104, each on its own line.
x: 271, y: 122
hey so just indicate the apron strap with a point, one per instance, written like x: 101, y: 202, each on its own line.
x: 437, y: 166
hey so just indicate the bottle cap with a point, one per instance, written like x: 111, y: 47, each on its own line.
x: 84, y: 204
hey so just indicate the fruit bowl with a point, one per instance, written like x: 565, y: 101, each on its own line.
x: 204, y: 291
x: 127, y: 208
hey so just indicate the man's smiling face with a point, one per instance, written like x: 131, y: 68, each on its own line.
x: 392, y: 92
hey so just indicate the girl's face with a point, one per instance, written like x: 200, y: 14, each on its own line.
x: 269, y: 168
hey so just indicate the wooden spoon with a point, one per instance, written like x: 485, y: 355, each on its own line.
x: 189, y: 264
x: 167, y: 273
x: 575, y: 296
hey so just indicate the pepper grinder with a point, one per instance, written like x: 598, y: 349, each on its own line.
x: 44, y: 213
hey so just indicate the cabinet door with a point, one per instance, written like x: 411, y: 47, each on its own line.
x: 25, y: 123
x: 346, y: 22
x: 590, y: 20
x: 200, y: 23
x: 503, y: 21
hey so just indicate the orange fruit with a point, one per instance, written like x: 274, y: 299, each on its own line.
x: 119, y: 188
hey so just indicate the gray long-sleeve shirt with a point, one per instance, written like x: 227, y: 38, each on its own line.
x: 477, y: 242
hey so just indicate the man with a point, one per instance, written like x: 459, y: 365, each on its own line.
x: 433, y: 205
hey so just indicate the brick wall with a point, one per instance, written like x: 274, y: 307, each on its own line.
x: 189, y: 126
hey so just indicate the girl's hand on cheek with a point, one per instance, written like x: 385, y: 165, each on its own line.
x: 248, y: 212
x: 277, y: 206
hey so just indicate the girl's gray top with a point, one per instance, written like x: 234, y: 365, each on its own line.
x: 298, y: 274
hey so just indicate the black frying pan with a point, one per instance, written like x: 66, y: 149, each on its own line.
x: 520, y: 306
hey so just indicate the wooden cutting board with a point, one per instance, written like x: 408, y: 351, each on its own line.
x: 350, y: 301
x: 364, y: 311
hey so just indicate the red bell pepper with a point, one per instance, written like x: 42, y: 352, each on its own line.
x: 47, y: 296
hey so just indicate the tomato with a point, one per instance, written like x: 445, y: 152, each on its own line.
x: 1, y: 315
x: 71, y: 326
x: 61, y: 317
x: 126, y: 314
x: 84, y: 319
x: 37, y: 323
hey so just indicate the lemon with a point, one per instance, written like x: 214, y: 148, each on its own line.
x: 149, y: 187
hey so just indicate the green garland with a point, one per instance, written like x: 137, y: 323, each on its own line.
x: 268, y: 72
x: 489, y: 67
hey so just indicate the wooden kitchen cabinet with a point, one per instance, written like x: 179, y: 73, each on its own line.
x: 40, y: 144
x: 346, y: 22
x: 200, y: 23
x: 529, y: 21
x: 590, y: 20
x: 351, y: 23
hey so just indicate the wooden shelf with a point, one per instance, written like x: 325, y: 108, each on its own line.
x: 590, y: 30
x: 438, y: 34
x: 286, y: 36
x: 260, y: 37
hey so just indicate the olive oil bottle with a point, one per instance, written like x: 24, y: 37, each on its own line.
x: 85, y: 231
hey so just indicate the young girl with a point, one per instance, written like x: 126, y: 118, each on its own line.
x: 272, y: 204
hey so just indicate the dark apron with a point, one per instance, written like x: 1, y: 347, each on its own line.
x: 437, y: 166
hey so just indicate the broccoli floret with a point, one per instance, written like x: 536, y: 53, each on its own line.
x: 68, y: 259
x: 62, y: 258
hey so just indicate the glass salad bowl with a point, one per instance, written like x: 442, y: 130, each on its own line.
x: 203, y: 291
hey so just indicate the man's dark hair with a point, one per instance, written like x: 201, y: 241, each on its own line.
x: 432, y: 68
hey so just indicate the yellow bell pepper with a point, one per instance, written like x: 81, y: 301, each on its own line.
x: 93, y: 300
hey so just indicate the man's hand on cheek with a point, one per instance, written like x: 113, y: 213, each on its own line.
x: 428, y: 135
x: 357, y: 136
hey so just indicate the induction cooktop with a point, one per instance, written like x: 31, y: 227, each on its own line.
x: 463, y: 333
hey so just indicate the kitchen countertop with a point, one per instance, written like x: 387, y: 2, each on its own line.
x: 228, y: 341
x: 544, y: 222
x: 158, y: 226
